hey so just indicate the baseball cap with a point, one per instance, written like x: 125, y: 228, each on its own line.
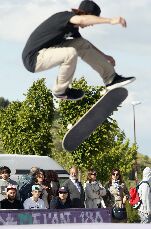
x: 89, y: 7
x: 37, y: 188
x: 63, y: 189
x: 11, y: 187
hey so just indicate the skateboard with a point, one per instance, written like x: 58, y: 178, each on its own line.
x: 93, y: 118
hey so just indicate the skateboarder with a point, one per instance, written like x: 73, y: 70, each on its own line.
x: 57, y: 42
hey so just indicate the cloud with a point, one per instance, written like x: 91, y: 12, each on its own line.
x: 19, y: 18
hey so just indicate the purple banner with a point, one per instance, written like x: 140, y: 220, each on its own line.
x: 19, y: 217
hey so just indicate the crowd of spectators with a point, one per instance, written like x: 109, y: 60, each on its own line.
x: 43, y: 191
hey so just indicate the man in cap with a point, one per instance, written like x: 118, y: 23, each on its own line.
x: 57, y: 41
x: 34, y: 202
x: 62, y: 201
x: 5, y: 181
x: 10, y: 202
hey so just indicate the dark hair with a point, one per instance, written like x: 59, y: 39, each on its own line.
x: 5, y: 169
x: 35, y: 175
x: 89, y: 173
x: 51, y: 175
x: 119, y: 173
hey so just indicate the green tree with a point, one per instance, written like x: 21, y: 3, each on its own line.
x: 106, y: 147
x: 25, y: 127
x: 3, y: 102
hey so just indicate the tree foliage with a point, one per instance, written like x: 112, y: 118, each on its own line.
x: 3, y: 102
x: 106, y: 147
x: 25, y: 127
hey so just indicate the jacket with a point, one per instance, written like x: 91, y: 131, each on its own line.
x: 77, y: 197
x: 93, y: 193
x: 145, y: 192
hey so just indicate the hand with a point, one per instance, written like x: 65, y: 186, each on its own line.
x: 119, y: 20
x: 124, y: 199
x: 44, y: 187
x: 110, y: 59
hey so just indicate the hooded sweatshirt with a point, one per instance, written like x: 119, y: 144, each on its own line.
x: 145, y: 192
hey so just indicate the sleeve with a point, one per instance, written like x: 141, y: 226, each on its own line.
x: 76, y: 34
x: 65, y: 184
x: 126, y: 192
x: 26, y: 204
x: 45, y: 198
x: 43, y: 206
x: 102, y: 190
x: 145, y: 197
x: 90, y: 193
x: 65, y: 20
x: 21, y: 206
x: 53, y: 203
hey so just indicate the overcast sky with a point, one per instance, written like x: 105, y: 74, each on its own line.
x: 130, y: 47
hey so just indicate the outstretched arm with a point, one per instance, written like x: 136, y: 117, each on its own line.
x: 86, y: 20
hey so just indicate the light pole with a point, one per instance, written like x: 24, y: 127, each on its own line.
x: 134, y: 103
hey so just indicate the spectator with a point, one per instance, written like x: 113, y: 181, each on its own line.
x: 10, y: 202
x: 27, y: 178
x: 94, y: 191
x: 39, y: 179
x: 145, y: 196
x: 5, y: 181
x: 62, y: 201
x: 25, y: 190
x: 117, y: 192
x: 75, y: 189
x: 52, y: 179
x: 34, y: 202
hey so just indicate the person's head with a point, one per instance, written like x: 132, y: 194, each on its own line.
x: 5, y: 172
x: 91, y: 175
x: 147, y: 174
x: 87, y: 7
x: 63, y: 194
x: 51, y: 175
x: 116, y: 175
x: 74, y: 173
x: 11, y: 192
x: 33, y: 170
x: 39, y: 176
x: 36, y: 191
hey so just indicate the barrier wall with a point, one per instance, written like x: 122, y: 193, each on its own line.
x: 59, y: 216
x: 80, y: 226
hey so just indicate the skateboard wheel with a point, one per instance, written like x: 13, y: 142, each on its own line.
x: 69, y: 126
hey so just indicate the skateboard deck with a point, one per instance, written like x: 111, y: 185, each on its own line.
x: 94, y: 117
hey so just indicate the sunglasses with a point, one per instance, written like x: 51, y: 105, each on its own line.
x: 62, y: 192
x: 93, y: 174
x: 115, y: 174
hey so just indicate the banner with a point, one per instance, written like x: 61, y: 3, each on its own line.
x: 57, y: 216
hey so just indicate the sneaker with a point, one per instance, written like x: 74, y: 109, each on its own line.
x: 119, y: 81
x: 71, y: 94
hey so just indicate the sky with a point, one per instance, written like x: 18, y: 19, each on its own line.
x: 130, y: 47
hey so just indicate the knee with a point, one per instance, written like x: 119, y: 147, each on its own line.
x: 71, y: 53
x: 82, y: 44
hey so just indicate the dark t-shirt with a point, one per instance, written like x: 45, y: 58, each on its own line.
x: 5, y: 204
x: 51, y: 32
x: 56, y: 203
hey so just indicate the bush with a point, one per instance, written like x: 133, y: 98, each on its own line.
x: 132, y: 214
